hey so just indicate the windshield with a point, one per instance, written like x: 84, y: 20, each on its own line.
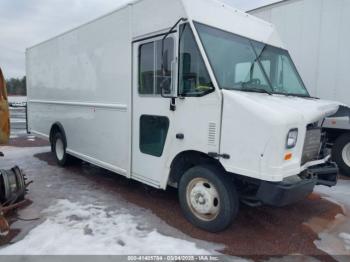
x: 243, y: 64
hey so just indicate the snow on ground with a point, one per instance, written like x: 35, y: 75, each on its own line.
x: 77, y: 229
x: 77, y: 216
x: 18, y: 122
x: 335, y: 239
x: 18, y: 133
x: 17, y: 100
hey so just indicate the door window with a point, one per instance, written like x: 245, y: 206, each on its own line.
x: 153, y: 133
x: 146, y: 69
x: 194, y: 79
x: 151, y: 74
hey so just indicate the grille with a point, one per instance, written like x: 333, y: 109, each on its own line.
x: 312, y: 145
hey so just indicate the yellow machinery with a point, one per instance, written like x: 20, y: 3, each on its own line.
x: 4, y: 112
x: 13, y: 185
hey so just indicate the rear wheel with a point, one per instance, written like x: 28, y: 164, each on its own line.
x: 208, y: 199
x: 58, y: 145
x: 341, y: 153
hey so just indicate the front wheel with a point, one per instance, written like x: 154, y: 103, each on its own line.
x: 341, y: 153
x: 208, y: 199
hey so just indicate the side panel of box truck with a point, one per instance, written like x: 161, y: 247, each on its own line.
x: 80, y: 85
x: 82, y: 81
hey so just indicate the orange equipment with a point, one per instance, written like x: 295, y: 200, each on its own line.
x: 13, y: 185
x: 4, y: 112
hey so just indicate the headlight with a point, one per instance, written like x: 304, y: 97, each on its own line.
x: 292, y: 138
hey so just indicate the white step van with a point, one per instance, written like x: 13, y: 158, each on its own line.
x: 188, y: 93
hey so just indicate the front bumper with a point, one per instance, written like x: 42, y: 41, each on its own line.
x: 299, y: 187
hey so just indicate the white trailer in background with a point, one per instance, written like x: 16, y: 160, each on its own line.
x: 189, y: 93
x: 317, y: 34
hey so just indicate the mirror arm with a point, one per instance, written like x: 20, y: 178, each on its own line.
x: 173, y: 104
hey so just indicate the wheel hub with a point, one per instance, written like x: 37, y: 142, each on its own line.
x: 203, y: 199
x: 59, y: 148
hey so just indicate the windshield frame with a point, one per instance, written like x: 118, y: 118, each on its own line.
x: 258, y: 56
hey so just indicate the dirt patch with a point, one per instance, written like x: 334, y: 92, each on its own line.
x: 257, y: 233
x: 5, y: 240
x: 11, y: 218
x: 28, y: 142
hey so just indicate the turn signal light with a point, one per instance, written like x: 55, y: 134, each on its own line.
x: 288, y: 156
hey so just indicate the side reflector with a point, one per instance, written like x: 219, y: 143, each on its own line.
x: 288, y: 156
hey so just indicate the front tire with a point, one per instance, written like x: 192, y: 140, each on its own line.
x: 341, y: 153
x: 208, y: 199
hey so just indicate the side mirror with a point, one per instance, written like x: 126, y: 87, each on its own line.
x: 168, y: 68
x: 165, y: 87
x: 167, y: 84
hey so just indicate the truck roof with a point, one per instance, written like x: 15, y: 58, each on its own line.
x: 211, y: 12
x: 271, y: 5
x: 218, y: 14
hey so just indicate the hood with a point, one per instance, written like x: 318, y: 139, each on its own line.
x: 310, y: 109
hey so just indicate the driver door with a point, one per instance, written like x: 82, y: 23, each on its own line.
x: 152, y: 118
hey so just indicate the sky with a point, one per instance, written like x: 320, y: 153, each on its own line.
x: 24, y: 23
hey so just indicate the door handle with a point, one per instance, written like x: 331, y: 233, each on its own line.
x: 180, y: 136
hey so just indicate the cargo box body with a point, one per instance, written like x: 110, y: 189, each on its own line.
x: 83, y: 80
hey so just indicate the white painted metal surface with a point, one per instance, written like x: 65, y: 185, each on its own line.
x: 220, y: 15
x: 259, y: 151
x: 317, y: 34
x: 79, y: 80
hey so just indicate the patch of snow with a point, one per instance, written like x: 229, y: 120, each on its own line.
x: 17, y: 121
x: 339, y: 194
x: 70, y: 224
x: 16, y: 133
x: 346, y: 238
x: 335, y: 239
x: 76, y: 229
x: 17, y: 101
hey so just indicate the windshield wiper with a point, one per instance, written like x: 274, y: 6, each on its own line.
x: 297, y: 95
x: 256, y: 90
